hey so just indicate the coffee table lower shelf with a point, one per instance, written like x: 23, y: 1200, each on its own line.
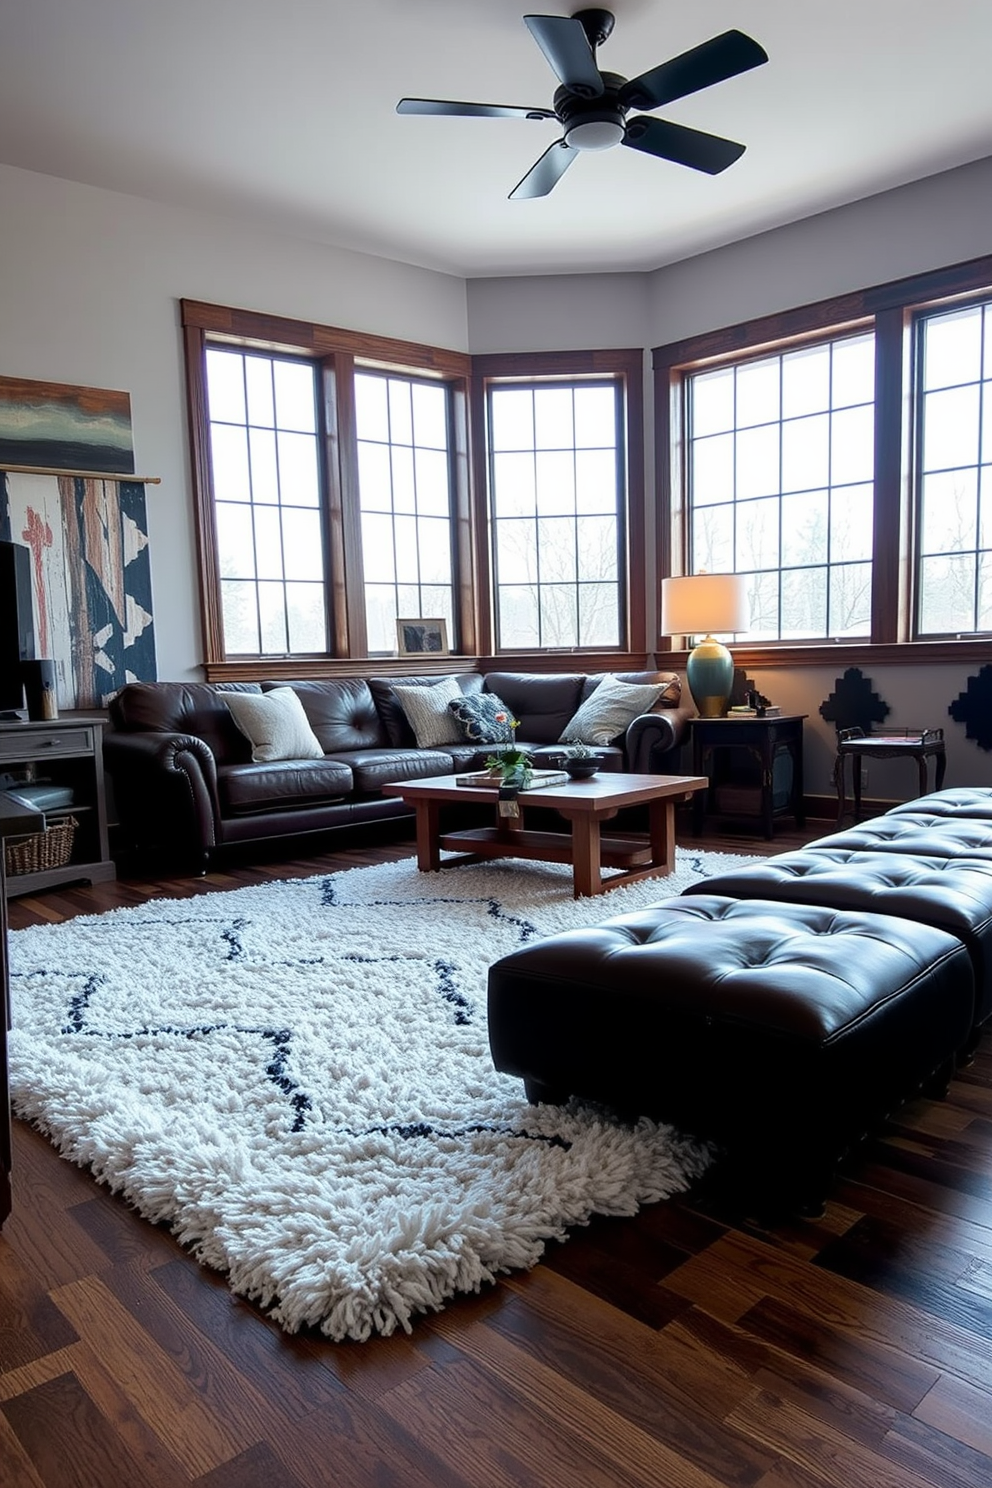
x: 480, y: 844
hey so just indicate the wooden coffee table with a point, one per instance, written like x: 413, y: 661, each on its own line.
x: 585, y: 804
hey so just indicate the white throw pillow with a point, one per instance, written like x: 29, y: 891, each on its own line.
x: 275, y: 725
x: 427, y: 712
x: 608, y: 711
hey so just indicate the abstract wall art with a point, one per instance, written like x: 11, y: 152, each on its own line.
x: 87, y: 534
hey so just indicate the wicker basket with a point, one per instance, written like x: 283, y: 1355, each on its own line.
x: 48, y: 849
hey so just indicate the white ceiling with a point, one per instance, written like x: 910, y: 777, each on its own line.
x: 283, y: 111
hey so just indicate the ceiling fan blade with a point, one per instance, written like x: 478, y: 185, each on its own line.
x: 545, y: 174
x: 471, y: 110
x: 711, y: 62
x: 702, y: 152
x: 564, y: 42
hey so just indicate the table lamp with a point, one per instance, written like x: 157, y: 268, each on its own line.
x: 697, y: 605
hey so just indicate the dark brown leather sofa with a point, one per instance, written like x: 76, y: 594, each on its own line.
x: 185, y: 785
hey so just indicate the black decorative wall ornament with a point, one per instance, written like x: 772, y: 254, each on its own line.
x: 853, y: 704
x: 973, y: 708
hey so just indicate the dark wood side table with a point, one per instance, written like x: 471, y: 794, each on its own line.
x: 918, y: 744
x: 754, y: 765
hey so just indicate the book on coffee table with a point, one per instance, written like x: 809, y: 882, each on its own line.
x: 538, y: 779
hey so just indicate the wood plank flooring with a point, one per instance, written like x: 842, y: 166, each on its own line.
x: 680, y: 1349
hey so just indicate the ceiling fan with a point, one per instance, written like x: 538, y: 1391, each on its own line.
x: 592, y: 106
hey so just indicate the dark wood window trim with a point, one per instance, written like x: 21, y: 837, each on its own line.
x: 335, y: 352
x: 890, y: 309
x: 627, y: 365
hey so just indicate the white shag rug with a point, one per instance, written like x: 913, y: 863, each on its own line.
x: 297, y: 1078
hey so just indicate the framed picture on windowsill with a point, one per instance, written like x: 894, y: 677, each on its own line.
x: 418, y: 637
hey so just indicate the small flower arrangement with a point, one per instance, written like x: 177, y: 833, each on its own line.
x: 579, y: 751
x: 514, y: 765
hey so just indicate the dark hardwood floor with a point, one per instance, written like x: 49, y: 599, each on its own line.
x: 681, y: 1348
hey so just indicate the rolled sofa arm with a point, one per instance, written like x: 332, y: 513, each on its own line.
x: 653, y: 740
x: 165, y: 791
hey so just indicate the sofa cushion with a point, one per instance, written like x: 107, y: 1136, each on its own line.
x: 374, y: 768
x: 246, y: 790
x: 275, y: 725
x: 341, y: 712
x: 197, y: 708
x: 426, y: 709
x: 394, y: 720
x: 543, y: 703
x: 483, y: 719
x: 607, y: 711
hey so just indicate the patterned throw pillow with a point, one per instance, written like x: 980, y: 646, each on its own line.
x: 426, y: 709
x: 609, y: 710
x: 275, y: 725
x: 483, y: 718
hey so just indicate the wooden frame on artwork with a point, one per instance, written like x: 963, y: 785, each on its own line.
x: 418, y: 637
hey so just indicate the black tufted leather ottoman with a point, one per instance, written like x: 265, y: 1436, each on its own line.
x: 974, y: 801
x: 781, y: 1031
x: 922, y: 833
x: 951, y: 893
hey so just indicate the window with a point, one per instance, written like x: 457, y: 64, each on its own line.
x: 954, y: 474
x: 780, y: 467
x: 840, y: 455
x: 267, y: 496
x: 405, y: 496
x: 330, y: 478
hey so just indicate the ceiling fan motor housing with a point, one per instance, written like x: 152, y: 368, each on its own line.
x: 592, y: 123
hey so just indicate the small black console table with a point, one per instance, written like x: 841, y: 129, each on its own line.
x: 754, y: 765
x: 917, y: 744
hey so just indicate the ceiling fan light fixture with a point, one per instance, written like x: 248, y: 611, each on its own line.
x: 594, y: 134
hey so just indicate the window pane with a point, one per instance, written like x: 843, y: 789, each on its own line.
x: 240, y: 611
x: 595, y: 481
x: 433, y: 486
x: 404, y: 539
x: 400, y: 412
x: 268, y: 543
x: 434, y: 548
x: 301, y: 536
x: 226, y: 386
x: 852, y: 445
x: 555, y: 484
x: 806, y: 453
x: 947, y: 595
x: 264, y: 470
x: 599, y: 623
x: 853, y: 371
x: 949, y: 512
x: 804, y: 603
x: 553, y: 429
x: 556, y: 543
x: 713, y: 539
x: 713, y: 469
x: 371, y: 407
x: 272, y: 615
x: 511, y: 417
x: 806, y: 381
x: 758, y: 393
x: 380, y: 617
x: 258, y: 386
x: 950, y: 428
x: 229, y: 459
x: 235, y: 541
x: 307, y: 622
x: 805, y: 534
x: 516, y: 552
x: 597, y: 549
x: 518, y: 617
x: 757, y: 461
x: 374, y: 477
x: 298, y: 480
x: 713, y: 402
x: 851, y: 524
x: 850, y: 599
x: 757, y: 535
x: 430, y: 416
x: 377, y: 548
x: 595, y: 417
x: 514, y: 491
x: 294, y: 396
x: 953, y: 348
x: 559, y: 615
x: 763, y: 599
x: 404, y: 495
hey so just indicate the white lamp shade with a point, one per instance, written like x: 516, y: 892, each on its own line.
x: 700, y: 604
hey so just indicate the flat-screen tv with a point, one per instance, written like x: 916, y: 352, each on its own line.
x: 16, y: 622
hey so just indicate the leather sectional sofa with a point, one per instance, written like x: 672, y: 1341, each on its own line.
x: 185, y: 784
x: 780, y: 1010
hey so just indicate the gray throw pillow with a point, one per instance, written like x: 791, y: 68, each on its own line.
x: 427, y: 713
x: 609, y: 710
x: 275, y: 725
